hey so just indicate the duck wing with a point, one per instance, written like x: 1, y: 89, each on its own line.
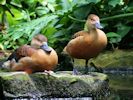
x: 80, y: 33
x: 22, y: 51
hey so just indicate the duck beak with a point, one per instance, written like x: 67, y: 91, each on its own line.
x: 98, y: 25
x: 45, y: 47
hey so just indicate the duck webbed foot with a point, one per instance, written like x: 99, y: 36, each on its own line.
x: 49, y: 72
x: 75, y: 72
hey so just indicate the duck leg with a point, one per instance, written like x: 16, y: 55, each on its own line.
x: 86, y: 66
x: 75, y: 71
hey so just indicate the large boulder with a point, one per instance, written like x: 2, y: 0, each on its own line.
x: 59, y: 84
x: 116, y: 59
x: 110, y: 59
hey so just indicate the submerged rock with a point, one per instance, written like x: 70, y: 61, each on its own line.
x: 59, y: 84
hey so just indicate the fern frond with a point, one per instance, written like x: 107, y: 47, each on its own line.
x: 29, y: 29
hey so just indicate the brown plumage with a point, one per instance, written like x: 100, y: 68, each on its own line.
x: 89, y: 43
x: 38, y: 40
x: 27, y: 50
x: 33, y: 59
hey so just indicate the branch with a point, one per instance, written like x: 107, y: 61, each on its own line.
x: 75, y: 19
x: 105, y: 19
x: 117, y: 16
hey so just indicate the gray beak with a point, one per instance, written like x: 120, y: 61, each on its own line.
x: 98, y: 25
x: 45, y: 47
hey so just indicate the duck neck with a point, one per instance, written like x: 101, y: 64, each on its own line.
x: 91, y: 30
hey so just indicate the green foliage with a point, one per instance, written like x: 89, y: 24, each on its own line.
x: 3, y: 2
x: 113, y: 37
x: 22, y: 33
x: 60, y: 19
x: 115, y: 2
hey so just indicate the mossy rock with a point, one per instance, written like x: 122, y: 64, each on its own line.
x: 16, y: 84
x: 60, y: 84
x: 111, y: 59
x: 117, y: 58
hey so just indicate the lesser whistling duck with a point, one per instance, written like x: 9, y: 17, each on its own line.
x: 36, y: 42
x: 89, y: 43
x: 32, y: 58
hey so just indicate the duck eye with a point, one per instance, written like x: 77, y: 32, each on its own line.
x: 92, y: 20
x: 38, y: 40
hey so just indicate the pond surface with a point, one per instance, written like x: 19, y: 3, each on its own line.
x: 121, y: 86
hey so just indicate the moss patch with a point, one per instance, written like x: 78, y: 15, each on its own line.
x: 60, y: 84
x: 115, y: 59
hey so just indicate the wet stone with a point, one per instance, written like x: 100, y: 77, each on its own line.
x: 54, y: 85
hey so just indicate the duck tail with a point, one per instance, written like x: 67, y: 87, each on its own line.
x: 13, y: 56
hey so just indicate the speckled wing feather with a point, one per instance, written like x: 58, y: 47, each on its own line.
x: 22, y: 51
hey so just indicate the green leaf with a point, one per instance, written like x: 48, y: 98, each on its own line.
x: 18, y: 15
x: 17, y: 35
x: 31, y: 3
x: 123, y: 30
x: 115, y: 2
x: 129, y: 9
x: 112, y: 34
x: 50, y: 31
x: 59, y: 33
x: 41, y: 10
x: 2, y: 2
x: 11, y: 20
x: 1, y: 46
x: 51, y: 7
x: 29, y: 28
x: 22, y: 41
x: 6, y: 42
x: 51, y: 1
x: 64, y: 20
x: 66, y: 5
x: 59, y: 26
x: 85, y: 2
x: 16, y: 3
x: 113, y: 37
x: 43, y: 2
x: 82, y: 12
x: 114, y: 40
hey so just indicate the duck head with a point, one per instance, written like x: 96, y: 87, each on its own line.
x: 38, y: 40
x: 93, y: 22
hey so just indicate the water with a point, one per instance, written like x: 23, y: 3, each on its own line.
x: 83, y: 98
x: 121, y: 85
